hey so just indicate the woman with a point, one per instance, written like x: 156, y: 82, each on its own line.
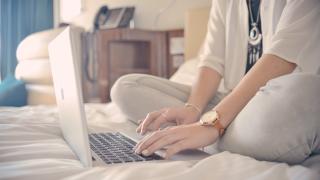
x: 249, y: 45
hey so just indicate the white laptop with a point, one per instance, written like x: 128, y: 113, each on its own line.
x: 91, y: 148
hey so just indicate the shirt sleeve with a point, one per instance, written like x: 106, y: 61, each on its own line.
x: 297, y: 36
x: 212, y: 54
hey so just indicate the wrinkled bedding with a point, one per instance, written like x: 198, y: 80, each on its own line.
x: 32, y: 147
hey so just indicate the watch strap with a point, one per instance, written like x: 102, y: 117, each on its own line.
x: 219, y: 127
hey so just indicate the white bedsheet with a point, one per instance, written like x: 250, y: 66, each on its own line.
x: 31, y: 147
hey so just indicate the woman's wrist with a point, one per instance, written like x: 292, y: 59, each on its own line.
x: 194, y: 107
x: 229, y: 107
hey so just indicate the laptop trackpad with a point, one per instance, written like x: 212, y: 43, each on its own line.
x: 192, y: 154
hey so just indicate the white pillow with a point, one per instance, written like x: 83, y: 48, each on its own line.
x: 34, y: 71
x: 35, y: 46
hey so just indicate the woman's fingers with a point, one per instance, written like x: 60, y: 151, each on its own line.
x: 139, y: 126
x: 156, y: 124
x: 138, y: 130
x: 178, y: 138
x: 148, y: 140
x: 155, y: 120
x: 161, y: 143
x: 174, y: 143
x: 136, y: 147
x: 160, y: 139
x: 149, y: 118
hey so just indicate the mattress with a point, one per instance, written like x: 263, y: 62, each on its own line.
x: 32, y: 147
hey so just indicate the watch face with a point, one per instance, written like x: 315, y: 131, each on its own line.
x: 209, y: 118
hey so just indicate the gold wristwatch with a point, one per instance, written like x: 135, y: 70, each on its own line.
x: 211, y: 118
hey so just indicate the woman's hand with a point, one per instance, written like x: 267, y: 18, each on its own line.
x: 177, y: 115
x: 177, y: 138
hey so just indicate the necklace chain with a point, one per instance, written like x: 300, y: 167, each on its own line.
x: 253, y: 22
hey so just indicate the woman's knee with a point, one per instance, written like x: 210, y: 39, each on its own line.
x: 281, y: 123
x: 122, y: 88
x: 127, y: 93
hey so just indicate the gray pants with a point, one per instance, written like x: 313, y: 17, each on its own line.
x: 280, y: 123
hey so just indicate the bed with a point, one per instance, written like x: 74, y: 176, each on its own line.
x: 32, y: 147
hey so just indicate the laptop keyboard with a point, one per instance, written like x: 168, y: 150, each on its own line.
x: 115, y: 148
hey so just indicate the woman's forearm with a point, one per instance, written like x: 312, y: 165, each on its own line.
x: 267, y: 68
x: 204, y: 87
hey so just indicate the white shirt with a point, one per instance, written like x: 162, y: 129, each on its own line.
x: 290, y: 29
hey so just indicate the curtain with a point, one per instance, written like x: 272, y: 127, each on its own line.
x: 18, y: 19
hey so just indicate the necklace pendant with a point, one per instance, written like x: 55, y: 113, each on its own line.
x: 255, y: 36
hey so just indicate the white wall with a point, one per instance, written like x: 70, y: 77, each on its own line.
x: 146, y: 12
x: 70, y: 9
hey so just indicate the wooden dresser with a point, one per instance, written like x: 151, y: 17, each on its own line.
x: 124, y: 51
